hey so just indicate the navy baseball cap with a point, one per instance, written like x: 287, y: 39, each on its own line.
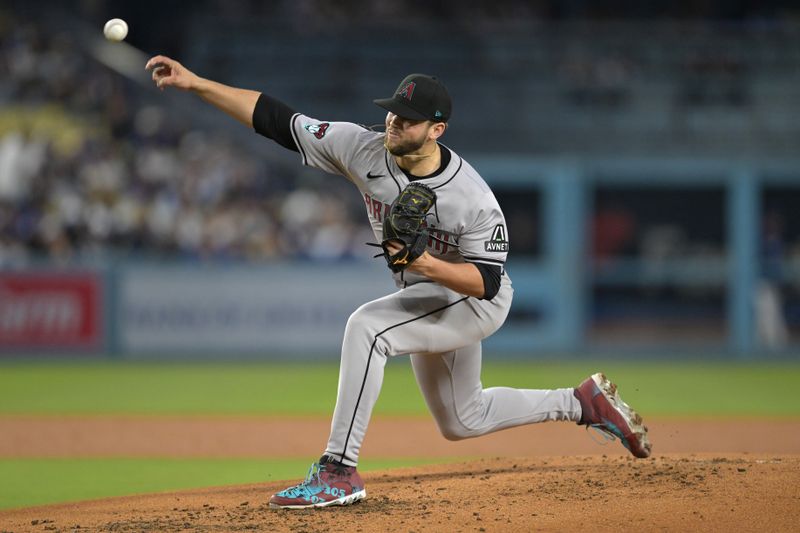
x: 419, y: 97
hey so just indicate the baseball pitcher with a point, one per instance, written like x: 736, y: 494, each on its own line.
x: 443, y: 236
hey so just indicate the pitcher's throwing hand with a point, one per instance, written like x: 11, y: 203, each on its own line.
x: 169, y: 73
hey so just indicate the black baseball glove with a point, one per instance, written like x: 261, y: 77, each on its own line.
x: 406, y: 225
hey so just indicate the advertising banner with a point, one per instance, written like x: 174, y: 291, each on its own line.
x: 297, y: 309
x: 50, y: 310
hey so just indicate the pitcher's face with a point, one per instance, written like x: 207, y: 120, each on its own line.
x: 405, y: 136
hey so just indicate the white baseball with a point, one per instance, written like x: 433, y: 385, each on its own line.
x: 115, y: 29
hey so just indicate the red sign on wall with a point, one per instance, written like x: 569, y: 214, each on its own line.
x: 50, y: 310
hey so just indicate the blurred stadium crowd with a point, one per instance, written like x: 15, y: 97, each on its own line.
x: 88, y: 169
x: 91, y: 165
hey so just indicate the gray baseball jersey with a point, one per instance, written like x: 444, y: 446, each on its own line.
x: 467, y: 217
x: 440, y: 329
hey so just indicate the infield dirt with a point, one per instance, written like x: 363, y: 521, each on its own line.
x: 703, y: 476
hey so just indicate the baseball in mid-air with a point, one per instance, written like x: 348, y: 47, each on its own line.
x: 115, y: 29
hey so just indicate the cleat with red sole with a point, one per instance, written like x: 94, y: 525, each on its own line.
x: 604, y: 409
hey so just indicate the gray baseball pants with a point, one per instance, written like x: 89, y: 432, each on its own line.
x: 442, y: 331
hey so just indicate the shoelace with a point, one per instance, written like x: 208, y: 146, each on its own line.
x: 605, y: 434
x: 313, y: 475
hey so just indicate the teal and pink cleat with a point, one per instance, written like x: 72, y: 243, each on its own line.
x: 327, y: 483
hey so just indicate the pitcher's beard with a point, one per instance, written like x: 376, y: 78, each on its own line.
x: 403, y: 149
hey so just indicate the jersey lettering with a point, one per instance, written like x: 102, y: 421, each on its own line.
x: 375, y: 208
x: 440, y: 242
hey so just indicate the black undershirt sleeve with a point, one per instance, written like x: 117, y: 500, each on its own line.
x: 272, y: 119
x: 491, y: 279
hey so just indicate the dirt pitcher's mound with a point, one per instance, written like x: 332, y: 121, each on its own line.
x: 672, y: 492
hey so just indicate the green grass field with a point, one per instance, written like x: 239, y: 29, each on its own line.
x: 661, y: 389
x: 28, y: 482
x: 675, y: 389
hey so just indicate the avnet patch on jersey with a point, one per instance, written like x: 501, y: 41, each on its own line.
x: 318, y: 130
x: 498, y: 242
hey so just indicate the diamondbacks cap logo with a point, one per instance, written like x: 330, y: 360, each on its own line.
x: 407, y: 91
x: 498, y: 242
x: 318, y: 130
